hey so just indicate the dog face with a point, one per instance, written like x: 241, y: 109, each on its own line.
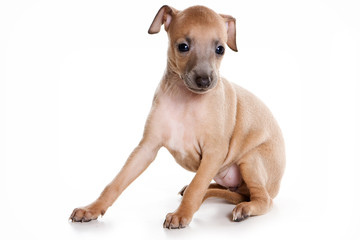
x: 196, y: 48
x: 197, y: 38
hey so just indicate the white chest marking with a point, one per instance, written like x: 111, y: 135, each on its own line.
x: 178, y: 122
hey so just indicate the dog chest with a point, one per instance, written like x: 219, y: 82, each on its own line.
x: 179, y: 129
x: 178, y: 125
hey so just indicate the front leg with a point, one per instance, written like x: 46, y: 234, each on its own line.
x: 194, y: 193
x: 137, y: 162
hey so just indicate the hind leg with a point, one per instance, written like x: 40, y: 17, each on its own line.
x: 255, y: 176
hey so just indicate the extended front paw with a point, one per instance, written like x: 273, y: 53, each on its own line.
x: 177, y: 220
x: 88, y: 213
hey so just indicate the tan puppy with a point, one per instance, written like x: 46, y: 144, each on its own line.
x: 211, y: 126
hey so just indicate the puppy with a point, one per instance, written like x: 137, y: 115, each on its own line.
x: 211, y: 126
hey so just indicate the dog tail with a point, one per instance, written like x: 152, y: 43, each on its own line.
x: 218, y: 191
x: 229, y: 196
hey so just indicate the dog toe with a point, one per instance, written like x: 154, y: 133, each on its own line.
x: 176, y: 221
x: 241, y: 212
x: 85, y: 214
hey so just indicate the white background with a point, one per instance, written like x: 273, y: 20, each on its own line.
x: 76, y: 84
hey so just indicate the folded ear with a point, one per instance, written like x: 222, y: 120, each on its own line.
x: 231, y: 31
x: 164, y: 16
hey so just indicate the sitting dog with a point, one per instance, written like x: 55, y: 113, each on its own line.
x: 211, y: 126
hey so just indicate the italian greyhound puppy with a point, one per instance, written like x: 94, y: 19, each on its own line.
x: 210, y: 126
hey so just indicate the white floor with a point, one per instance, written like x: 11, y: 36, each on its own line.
x: 76, y: 84
x: 39, y: 207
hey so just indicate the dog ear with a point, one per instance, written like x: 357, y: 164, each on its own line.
x: 231, y: 31
x: 164, y: 16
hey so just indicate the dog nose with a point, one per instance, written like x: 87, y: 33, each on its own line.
x: 202, y: 82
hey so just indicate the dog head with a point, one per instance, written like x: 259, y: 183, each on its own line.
x: 197, y: 38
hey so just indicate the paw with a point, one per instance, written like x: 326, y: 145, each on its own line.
x: 86, y: 214
x: 177, y: 220
x: 241, y: 212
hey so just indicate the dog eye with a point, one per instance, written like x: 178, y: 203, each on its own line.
x: 220, y: 50
x: 183, y: 47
